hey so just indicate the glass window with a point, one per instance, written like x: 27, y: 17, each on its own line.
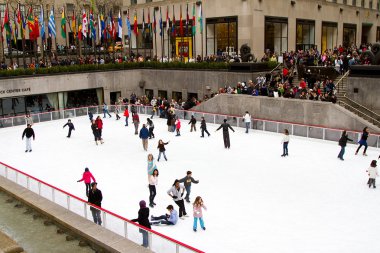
x: 144, y: 38
x: 133, y: 2
x: 221, y: 36
x: 370, y: 4
x: 363, y: 3
x: 69, y: 9
x: 329, y: 36
x: 276, y: 35
x: 378, y: 34
x: 354, y: 2
x: 305, y: 34
x: 344, y: 1
x: 349, y: 35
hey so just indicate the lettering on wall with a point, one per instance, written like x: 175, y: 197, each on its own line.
x: 11, y: 91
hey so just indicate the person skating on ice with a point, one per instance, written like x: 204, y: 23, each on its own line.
x: 197, y: 213
x: 204, y: 128
x: 95, y: 132
x: 143, y: 220
x: 363, y: 141
x: 343, y: 143
x: 105, y: 110
x: 117, y: 111
x: 71, y: 127
x: 285, y: 143
x: 166, y: 219
x: 187, y: 183
x: 90, y: 116
x: 178, y: 127
x: 151, y: 165
x: 28, y: 133
x: 226, y: 135
x: 28, y: 119
x: 95, y: 197
x: 99, y: 124
x: 153, y: 180
x: 126, y: 115
x: 176, y: 192
x: 372, y: 173
x: 144, y: 134
x: 193, y: 122
x: 151, y: 128
x: 136, y: 121
x: 87, y: 176
x: 247, y: 121
x: 161, y: 149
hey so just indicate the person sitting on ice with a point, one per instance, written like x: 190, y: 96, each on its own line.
x: 167, y: 219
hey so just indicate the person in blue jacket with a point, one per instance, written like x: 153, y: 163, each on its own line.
x: 144, y: 135
x: 167, y: 219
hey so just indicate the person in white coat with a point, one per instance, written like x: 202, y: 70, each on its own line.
x: 285, y: 142
x: 372, y: 173
x: 247, y: 120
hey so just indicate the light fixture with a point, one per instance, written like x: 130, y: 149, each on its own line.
x: 341, y: 10
x: 357, y: 13
x: 292, y: 2
x: 319, y: 6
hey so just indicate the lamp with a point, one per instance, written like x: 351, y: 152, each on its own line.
x: 292, y: 2
x: 357, y: 13
x: 341, y: 10
x: 319, y: 6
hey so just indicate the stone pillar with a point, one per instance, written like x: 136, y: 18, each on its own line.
x: 184, y: 94
x: 106, y: 96
x: 291, y: 34
x: 61, y: 103
x: 318, y: 34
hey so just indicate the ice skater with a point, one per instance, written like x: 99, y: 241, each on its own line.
x: 136, y: 121
x: 143, y: 220
x: 28, y: 133
x: 247, y: 120
x: 71, y: 127
x: 105, y: 110
x: 90, y: 116
x: 99, y: 124
x: 197, y: 213
x: 176, y: 192
x: 204, y: 128
x: 87, y: 176
x: 151, y: 165
x: 343, y: 143
x: 226, y: 135
x: 363, y: 141
x: 372, y: 173
x: 153, y: 180
x: 178, y: 127
x: 161, y: 149
x: 126, y: 115
x: 187, y: 183
x: 151, y: 128
x: 167, y: 219
x: 285, y: 143
x: 193, y: 122
x: 95, y: 198
x: 29, y: 120
x: 144, y: 134
x: 117, y: 111
x: 95, y: 132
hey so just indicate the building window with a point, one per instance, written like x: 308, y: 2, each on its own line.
x: 305, y: 34
x: 370, y: 4
x: 344, y: 1
x: 363, y: 3
x: 354, y: 2
x: 133, y: 2
x: 221, y: 36
x: 69, y: 9
x: 329, y: 35
x: 276, y: 34
x: 144, y: 38
x: 349, y: 35
x: 148, y: 1
x: 378, y: 34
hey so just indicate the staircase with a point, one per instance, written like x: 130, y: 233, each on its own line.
x: 351, y: 105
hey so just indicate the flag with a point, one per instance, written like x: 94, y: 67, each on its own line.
x: 36, y: 29
x: 15, y: 28
x: 51, y: 26
x: 102, y: 27
x: 135, y: 28
x: 23, y: 27
x: 161, y: 23
x: 129, y: 26
x: 63, y: 24
x: 187, y: 19
x: 2, y: 28
x: 30, y: 24
x: 174, y: 32
x: 99, y: 28
x: 194, y: 26
x: 143, y: 24
x: 80, y: 34
x: 113, y: 27
x: 7, y: 26
x: 154, y: 21
x: 42, y: 22
x: 92, y: 26
x: 84, y: 23
x: 149, y: 24
x: 180, y: 21
x: 200, y: 19
x: 167, y: 18
x: 74, y: 25
x: 120, y: 28
x: 18, y: 15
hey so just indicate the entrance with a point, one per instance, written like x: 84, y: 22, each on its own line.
x: 114, y: 96
x: 366, y: 29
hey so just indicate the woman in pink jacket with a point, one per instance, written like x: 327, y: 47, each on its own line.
x: 87, y: 176
x: 197, y: 212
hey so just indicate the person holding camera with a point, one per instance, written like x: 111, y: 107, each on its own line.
x: 176, y: 192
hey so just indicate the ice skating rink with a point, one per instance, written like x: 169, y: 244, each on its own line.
x: 257, y: 201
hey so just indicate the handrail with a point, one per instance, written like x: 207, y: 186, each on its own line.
x: 275, y: 68
x: 362, y: 106
x: 103, y: 209
x: 341, y: 79
x: 366, y: 115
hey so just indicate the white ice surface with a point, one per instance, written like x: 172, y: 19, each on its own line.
x: 257, y: 201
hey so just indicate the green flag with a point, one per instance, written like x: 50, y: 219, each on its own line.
x: 63, y: 24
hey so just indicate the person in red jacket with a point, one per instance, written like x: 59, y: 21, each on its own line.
x: 178, y: 127
x: 99, y: 123
x: 136, y: 121
x: 126, y: 115
x: 87, y: 176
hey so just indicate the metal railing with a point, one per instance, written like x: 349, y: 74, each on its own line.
x: 339, y: 83
x: 359, y: 112
x: 157, y: 242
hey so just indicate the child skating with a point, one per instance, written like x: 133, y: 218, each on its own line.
x: 161, y: 149
x: 187, y: 183
x: 178, y: 127
x: 372, y: 173
x: 153, y: 180
x: 285, y: 142
x: 87, y: 176
x: 71, y: 127
x: 197, y: 212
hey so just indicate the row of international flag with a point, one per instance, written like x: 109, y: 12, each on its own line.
x: 104, y: 27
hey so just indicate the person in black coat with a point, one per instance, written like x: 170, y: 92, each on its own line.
x: 95, y: 197
x: 29, y: 133
x: 343, y: 143
x: 193, y: 122
x: 204, y: 128
x: 363, y: 141
x: 226, y: 135
x: 95, y: 132
x: 169, y: 122
x: 71, y: 127
x: 143, y: 220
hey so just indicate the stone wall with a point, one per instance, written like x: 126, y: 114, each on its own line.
x: 289, y: 110
x: 367, y: 94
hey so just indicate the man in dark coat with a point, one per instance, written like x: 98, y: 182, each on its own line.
x: 143, y: 220
x: 204, y: 127
x: 144, y: 134
x: 226, y: 135
x: 29, y: 133
x: 71, y: 127
x: 95, y: 197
